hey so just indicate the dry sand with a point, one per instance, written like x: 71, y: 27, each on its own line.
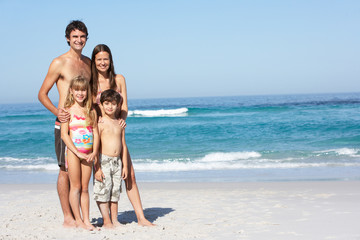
x: 270, y: 210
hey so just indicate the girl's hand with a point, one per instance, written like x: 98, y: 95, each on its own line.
x: 82, y: 155
x: 122, y: 123
x: 63, y: 115
x: 124, y: 173
x: 99, y: 175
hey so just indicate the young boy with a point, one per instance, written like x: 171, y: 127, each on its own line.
x: 108, y: 171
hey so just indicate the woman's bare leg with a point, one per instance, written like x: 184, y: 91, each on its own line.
x: 134, y: 195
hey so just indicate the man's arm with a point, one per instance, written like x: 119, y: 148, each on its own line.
x: 52, y: 76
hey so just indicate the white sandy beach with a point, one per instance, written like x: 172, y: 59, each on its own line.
x: 270, y: 210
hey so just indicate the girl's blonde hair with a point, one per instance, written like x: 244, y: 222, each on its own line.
x: 80, y: 83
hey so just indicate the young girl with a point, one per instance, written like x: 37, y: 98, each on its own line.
x: 80, y: 135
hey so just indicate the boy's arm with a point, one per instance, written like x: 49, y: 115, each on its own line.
x: 96, y: 145
x: 124, y: 157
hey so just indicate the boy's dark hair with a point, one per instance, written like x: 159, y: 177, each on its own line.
x: 110, y: 95
x: 75, y: 25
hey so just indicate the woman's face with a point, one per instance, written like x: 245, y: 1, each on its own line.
x: 102, y: 61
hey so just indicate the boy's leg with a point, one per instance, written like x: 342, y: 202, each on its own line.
x: 114, y: 214
x: 104, y: 210
x: 134, y: 195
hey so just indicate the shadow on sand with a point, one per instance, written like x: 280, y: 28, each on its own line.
x: 151, y: 214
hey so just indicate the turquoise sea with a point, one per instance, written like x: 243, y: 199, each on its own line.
x: 241, y: 138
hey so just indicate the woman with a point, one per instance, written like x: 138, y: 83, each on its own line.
x: 103, y: 77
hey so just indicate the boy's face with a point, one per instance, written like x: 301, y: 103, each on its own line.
x: 110, y: 107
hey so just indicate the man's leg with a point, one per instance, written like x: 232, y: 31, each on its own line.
x: 63, y: 188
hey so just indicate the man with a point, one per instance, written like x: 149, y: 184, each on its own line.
x: 62, y: 69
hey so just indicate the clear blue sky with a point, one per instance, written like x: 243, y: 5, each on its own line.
x: 190, y: 48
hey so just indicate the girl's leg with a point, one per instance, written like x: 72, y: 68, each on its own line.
x: 74, y: 170
x: 114, y: 214
x: 134, y: 196
x: 84, y: 196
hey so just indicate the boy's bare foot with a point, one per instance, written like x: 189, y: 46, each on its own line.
x: 145, y: 223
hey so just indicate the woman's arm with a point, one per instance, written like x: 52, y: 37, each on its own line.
x: 121, y: 83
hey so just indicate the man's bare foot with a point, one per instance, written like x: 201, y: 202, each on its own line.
x: 145, y: 223
x: 69, y: 223
x: 116, y: 223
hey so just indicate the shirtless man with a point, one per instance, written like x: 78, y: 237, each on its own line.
x: 62, y: 69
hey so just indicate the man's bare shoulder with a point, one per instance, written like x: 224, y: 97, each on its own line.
x: 86, y: 60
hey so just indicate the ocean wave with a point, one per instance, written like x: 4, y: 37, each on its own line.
x: 228, y: 156
x: 177, y: 112
x: 352, y: 152
x: 40, y: 167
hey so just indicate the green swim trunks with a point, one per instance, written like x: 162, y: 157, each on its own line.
x: 109, y: 188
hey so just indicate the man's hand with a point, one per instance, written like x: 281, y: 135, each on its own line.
x: 63, y: 115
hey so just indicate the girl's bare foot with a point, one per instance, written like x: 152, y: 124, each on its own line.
x: 108, y: 225
x: 116, y: 223
x: 81, y: 224
x: 90, y: 227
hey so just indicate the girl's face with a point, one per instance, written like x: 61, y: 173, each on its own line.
x: 102, y: 61
x: 79, y: 95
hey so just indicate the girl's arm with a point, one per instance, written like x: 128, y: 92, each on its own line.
x: 121, y: 83
x: 124, y: 157
x: 65, y: 136
x: 94, y: 155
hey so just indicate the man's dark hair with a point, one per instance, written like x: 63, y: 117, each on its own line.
x: 75, y: 25
x: 110, y: 95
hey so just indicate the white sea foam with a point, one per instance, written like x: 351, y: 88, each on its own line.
x: 40, y: 167
x: 228, y: 156
x: 159, y: 113
x: 341, y: 151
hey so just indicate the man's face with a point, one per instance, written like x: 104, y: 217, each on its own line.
x: 77, y: 40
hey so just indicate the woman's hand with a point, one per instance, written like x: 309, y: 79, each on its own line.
x: 122, y: 123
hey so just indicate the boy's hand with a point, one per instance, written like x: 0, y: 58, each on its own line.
x: 99, y: 175
x: 63, y: 115
x: 122, y: 123
x: 124, y: 173
x: 91, y: 157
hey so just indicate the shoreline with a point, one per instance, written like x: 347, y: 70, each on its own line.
x: 185, y: 210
